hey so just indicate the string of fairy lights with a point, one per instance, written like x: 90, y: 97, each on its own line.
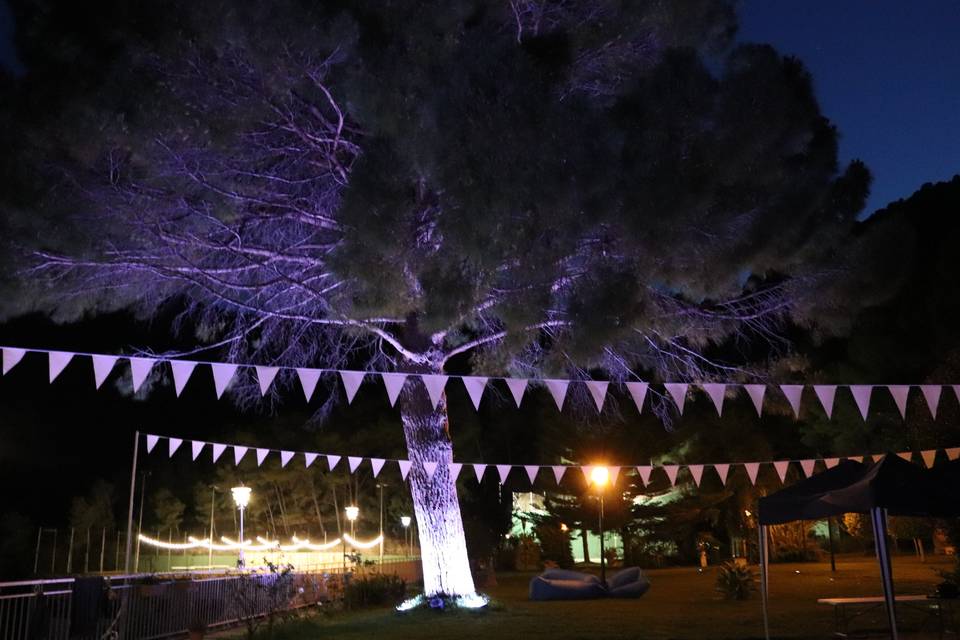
x: 262, y: 544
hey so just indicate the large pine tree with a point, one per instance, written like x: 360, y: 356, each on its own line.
x: 540, y: 187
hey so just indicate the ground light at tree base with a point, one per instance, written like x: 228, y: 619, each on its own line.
x: 472, y: 601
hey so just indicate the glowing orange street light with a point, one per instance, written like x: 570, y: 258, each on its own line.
x: 600, y: 476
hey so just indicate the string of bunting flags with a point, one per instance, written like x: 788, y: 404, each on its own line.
x: 224, y: 373
x: 532, y: 471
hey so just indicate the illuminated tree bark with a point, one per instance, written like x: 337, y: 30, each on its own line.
x: 446, y: 567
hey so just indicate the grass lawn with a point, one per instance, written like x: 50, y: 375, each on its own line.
x: 681, y: 603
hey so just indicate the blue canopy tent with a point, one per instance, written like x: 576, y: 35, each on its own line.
x: 891, y: 486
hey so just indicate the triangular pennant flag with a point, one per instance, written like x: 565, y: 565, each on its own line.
x: 877, y: 457
x: 677, y: 391
x: 638, y: 391
x: 793, y: 392
x: 478, y: 470
x: 285, y: 457
x: 752, y: 469
x: 855, y: 458
x: 906, y: 455
x: 558, y: 389
x: 139, y: 370
x: 517, y: 387
x: 58, y: 361
x: 181, y: 373
x: 532, y: 471
x: 102, y: 366
x: 672, y: 470
x: 430, y: 468
x: 435, y: 384
x: 831, y: 462
x: 351, y: 383
x: 265, y: 376
x: 645, y: 472
x: 722, y: 470
x: 475, y: 386
x: 781, y: 467
x: 196, y: 448
x: 598, y: 391
x: 308, y: 459
x: 404, y: 468
x: 308, y: 380
x: 696, y: 470
x: 861, y: 394
x: 826, y: 393
x: 716, y: 392
x: 454, y: 469
x: 222, y: 376
x: 261, y: 455
x: 332, y: 461
x: 807, y: 466
x: 394, y: 384
x: 931, y: 392
x: 376, y: 464
x: 238, y: 453
x: 953, y: 453
x: 587, y: 471
x: 218, y: 450
x: 756, y: 393
x: 929, y: 456
x: 614, y: 474
x: 151, y: 442
x: 900, y: 392
x: 11, y: 356
x: 504, y: 471
x: 558, y: 471
x: 353, y: 462
x: 174, y: 444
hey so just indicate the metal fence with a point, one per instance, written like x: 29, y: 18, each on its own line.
x: 142, y: 608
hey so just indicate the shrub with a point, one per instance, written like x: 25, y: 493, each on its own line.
x: 554, y: 544
x: 735, y: 581
x: 527, y: 553
x: 374, y: 590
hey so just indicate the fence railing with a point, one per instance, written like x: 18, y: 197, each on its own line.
x: 148, y: 607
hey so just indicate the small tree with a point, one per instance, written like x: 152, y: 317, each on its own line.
x: 261, y: 598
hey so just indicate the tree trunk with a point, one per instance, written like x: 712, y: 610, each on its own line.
x: 586, y: 544
x: 446, y: 567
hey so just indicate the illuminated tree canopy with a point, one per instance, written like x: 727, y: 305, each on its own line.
x: 539, y: 187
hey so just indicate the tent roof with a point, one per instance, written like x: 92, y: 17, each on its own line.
x: 894, y: 484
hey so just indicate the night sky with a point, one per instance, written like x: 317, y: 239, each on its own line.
x: 887, y: 74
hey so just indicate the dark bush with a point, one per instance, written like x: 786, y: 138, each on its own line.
x: 374, y: 590
x: 554, y: 544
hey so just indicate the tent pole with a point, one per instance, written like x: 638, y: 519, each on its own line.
x: 764, y: 583
x: 879, y: 521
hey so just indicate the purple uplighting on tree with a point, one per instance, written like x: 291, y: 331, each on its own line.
x: 312, y: 192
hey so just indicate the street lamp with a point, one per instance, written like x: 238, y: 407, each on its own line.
x: 352, y: 513
x: 600, y: 476
x: 405, y: 521
x: 241, y: 496
x: 380, y: 487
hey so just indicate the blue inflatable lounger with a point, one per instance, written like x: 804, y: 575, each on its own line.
x: 561, y: 584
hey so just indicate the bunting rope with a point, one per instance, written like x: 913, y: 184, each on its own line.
x: 807, y: 465
x: 435, y: 384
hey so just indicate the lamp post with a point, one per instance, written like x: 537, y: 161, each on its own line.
x: 380, y: 487
x: 405, y: 521
x: 213, y: 501
x: 241, y: 496
x: 352, y: 513
x: 600, y: 475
